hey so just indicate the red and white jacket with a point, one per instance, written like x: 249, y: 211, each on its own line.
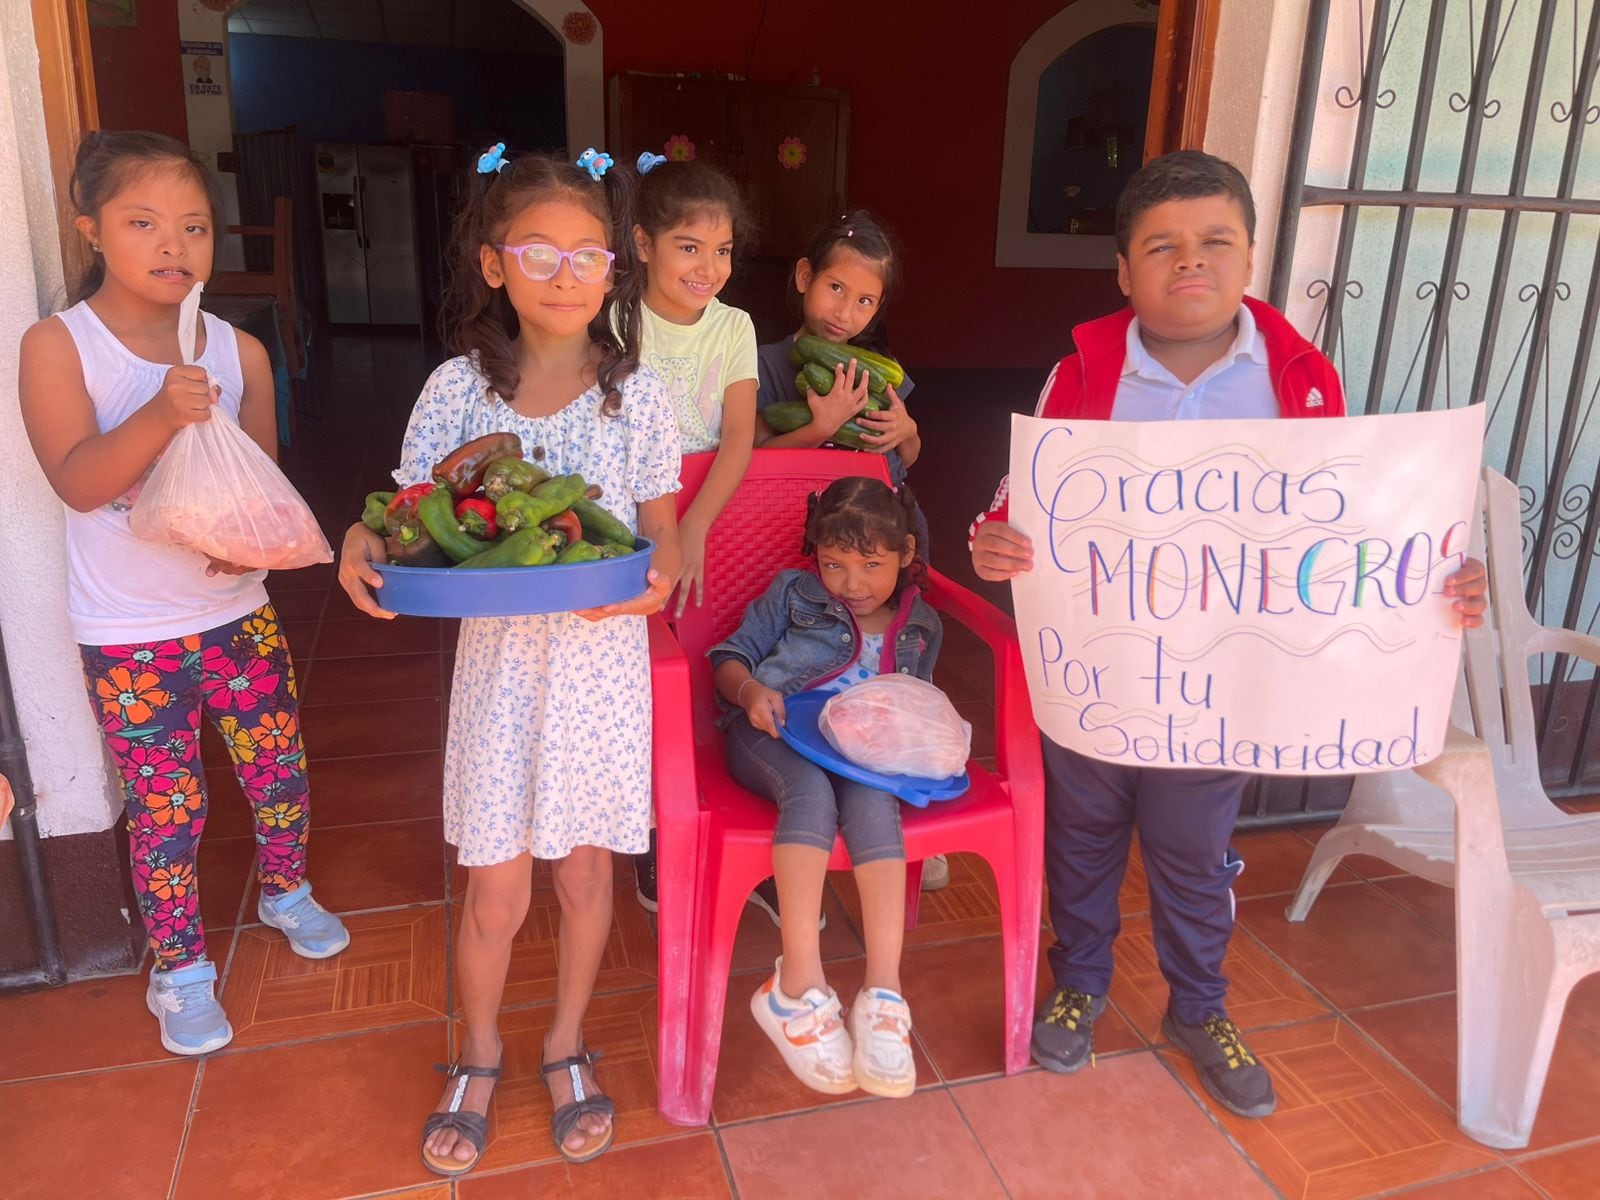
x: 1083, y: 386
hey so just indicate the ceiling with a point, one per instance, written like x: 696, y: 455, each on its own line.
x: 461, y: 24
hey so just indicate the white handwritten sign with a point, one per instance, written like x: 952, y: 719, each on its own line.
x: 1252, y: 595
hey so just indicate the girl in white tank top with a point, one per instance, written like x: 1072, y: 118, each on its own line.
x: 164, y: 632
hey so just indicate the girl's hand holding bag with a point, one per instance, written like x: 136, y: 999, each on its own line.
x: 213, y: 490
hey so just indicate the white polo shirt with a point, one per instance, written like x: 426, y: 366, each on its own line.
x: 1237, y: 385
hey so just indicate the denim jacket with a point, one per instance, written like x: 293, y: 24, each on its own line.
x: 795, y: 636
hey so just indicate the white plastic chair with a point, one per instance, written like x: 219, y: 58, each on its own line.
x: 1526, y: 873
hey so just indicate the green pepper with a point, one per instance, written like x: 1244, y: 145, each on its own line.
x: 531, y: 547
x: 512, y: 475
x: 580, y: 552
x: 412, y: 547
x: 518, y: 510
x: 615, y: 550
x: 438, y: 516
x: 463, y: 469
x: 372, y: 514
x: 600, y: 524
x: 403, y: 507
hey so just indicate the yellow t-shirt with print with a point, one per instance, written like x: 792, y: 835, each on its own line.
x: 698, y: 363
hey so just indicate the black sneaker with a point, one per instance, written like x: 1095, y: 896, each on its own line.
x: 644, y: 871
x: 1063, y: 1038
x: 765, y: 897
x: 1227, y: 1069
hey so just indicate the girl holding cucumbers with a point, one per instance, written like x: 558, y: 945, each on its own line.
x: 843, y: 282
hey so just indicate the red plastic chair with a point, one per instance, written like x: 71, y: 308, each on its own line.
x: 714, y: 839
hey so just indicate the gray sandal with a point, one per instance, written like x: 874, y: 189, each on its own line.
x: 565, y: 1119
x: 474, y: 1127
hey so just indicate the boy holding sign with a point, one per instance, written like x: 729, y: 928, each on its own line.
x: 1191, y: 346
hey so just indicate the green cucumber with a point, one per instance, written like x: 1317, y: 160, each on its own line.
x: 787, y: 415
x: 814, y: 377
x: 810, y: 349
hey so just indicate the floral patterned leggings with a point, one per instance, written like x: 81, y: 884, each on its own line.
x: 148, y: 698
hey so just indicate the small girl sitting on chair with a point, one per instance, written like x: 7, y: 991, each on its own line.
x: 855, y: 614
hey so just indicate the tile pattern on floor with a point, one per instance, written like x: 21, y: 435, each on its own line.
x: 324, y: 1090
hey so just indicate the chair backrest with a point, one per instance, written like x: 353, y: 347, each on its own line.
x: 279, y: 282
x: 760, y: 533
x: 1496, y: 702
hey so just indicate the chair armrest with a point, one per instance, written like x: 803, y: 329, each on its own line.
x: 672, y: 729
x: 1551, y: 639
x: 1016, y: 735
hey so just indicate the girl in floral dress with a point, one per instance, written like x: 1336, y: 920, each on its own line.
x: 548, y: 754
x: 164, y: 632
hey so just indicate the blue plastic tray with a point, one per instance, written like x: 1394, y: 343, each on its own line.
x: 513, y: 591
x: 800, y: 730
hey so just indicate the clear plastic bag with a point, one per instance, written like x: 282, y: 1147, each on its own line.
x: 215, y: 491
x: 898, y: 725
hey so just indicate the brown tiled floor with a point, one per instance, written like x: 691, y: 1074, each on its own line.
x: 323, y: 1091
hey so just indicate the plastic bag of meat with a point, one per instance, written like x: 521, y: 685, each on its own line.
x: 215, y: 491
x: 898, y: 725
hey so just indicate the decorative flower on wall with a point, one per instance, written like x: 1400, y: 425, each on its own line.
x: 679, y: 148
x: 791, y: 153
x: 579, y: 27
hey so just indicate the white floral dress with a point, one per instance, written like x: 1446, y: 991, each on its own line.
x: 549, y: 742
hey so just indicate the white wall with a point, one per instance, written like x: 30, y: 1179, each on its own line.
x: 65, y: 754
x: 1255, y: 73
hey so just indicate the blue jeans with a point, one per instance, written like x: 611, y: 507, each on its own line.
x: 814, y: 804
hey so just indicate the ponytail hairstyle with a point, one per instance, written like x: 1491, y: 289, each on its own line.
x: 860, y: 231
x: 867, y: 516
x: 477, y: 319
x: 673, y: 193
x: 108, y: 162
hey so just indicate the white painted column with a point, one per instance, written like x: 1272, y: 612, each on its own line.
x: 65, y: 754
x: 208, y: 103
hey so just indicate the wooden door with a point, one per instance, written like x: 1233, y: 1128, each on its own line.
x: 66, y: 78
x: 793, y: 143
x: 663, y: 113
x: 1180, y: 80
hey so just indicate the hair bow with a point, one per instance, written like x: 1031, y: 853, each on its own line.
x: 596, y: 162
x: 493, y: 160
x: 649, y: 162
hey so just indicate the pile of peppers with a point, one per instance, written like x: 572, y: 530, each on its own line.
x: 488, y: 506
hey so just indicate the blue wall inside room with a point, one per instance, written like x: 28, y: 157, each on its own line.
x: 333, y: 91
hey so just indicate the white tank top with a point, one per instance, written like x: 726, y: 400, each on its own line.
x: 121, y: 589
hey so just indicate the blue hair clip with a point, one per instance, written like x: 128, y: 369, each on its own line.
x: 596, y: 162
x: 493, y: 160
x: 649, y: 162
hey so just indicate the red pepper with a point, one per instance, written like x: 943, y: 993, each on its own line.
x: 403, y: 507
x: 462, y: 470
x: 477, y: 518
x: 566, y: 524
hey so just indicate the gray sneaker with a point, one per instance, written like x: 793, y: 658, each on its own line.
x: 1063, y: 1038
x: 1227, y: 1069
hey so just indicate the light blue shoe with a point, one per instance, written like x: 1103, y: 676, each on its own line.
x: 183, y: 1003
x: 312, y: 930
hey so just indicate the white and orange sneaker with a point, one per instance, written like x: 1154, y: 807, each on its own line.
x: 809, y: 1033
x: 880, y: 1025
